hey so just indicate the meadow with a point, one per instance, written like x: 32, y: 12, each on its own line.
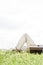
x: 20, y: 58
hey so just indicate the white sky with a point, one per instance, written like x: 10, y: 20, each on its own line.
x: 18, y: 17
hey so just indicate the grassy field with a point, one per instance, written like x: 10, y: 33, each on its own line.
x: 22, y: 58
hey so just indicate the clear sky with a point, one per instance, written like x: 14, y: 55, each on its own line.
x: 18, y: 17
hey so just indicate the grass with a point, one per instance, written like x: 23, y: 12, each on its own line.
x: 22, y: 58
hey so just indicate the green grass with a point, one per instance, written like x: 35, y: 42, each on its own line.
x: 22, y: 58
